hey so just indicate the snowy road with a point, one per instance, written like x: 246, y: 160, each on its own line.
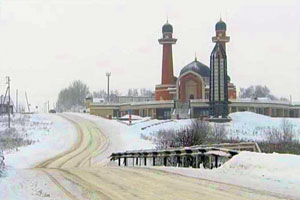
x: 74, y: 175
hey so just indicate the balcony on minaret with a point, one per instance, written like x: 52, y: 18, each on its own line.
x: 167, y: 41
x: 221, y: 39
x: 167, y: 38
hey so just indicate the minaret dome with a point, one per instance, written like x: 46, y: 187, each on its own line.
x: 167, y: 28
x: 221, y: 26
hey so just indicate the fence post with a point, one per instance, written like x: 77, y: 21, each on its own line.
x: 216, y: 161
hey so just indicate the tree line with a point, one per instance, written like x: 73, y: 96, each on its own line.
x: 259, y: 91
x: 72, y: 98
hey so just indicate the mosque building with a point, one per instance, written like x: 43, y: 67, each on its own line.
x: 198, y: 91
x: 196, y: 80
x: 193, y: 80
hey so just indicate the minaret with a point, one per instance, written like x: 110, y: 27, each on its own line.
x: 218, y: 90
x: 221, y: 34
x: 167, y: 89
x: 167, y: 62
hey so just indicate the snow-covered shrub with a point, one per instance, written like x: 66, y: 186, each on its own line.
x: 194, y: 134
x: 11, y: 138
x: 281, y: 139
x: 284, y: 134
x: 218, y: 133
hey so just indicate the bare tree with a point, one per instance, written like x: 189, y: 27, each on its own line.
x: 194, y: 134
x: 256, y: 92
x: 73, y: 97
x: 218, y: 133
x: 145, y: 92
x: 284, y: 134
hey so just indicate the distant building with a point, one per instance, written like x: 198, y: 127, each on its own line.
x: 98, y: 100
x: 199, y: 91
x: 129, y: 99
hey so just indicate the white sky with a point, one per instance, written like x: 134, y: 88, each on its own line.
x: 45, y: 45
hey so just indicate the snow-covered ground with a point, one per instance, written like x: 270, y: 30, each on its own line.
x: 244, y: 125
x: 278, y: 173
x: 122, y: 136
x: 51, y: 135
x: 252, y: 126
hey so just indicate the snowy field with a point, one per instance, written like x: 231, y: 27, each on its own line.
x: 252, y: 126
x: 246, y: 126
x: 50, y: 134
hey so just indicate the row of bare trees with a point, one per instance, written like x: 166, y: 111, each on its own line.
x: 259, y: 91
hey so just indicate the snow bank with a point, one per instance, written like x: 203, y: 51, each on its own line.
x: 275, y: 167
x: 277, y: 173
x: 52, y: 134
x: 133, y: 117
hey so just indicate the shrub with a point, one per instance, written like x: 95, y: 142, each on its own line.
x: 197, y: 133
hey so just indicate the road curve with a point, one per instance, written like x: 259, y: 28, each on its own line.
x: 77, y: 178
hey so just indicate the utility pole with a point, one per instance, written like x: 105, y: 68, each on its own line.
x: 27, y: 102
x: 17, y: 101
x: 108, y: 74
x: 8, y: 104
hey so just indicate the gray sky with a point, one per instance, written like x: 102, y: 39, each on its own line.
x: 45, y: 45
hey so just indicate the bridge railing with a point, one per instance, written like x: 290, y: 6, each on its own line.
x: 207, y: 156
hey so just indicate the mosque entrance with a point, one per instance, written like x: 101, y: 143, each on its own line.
x: 190, y: 90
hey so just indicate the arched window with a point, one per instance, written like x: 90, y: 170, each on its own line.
x: 192, y: 96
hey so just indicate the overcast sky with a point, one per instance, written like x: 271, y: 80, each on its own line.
x: 45, y: 45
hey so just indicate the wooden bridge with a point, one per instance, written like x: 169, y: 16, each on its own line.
x: 204, y: 156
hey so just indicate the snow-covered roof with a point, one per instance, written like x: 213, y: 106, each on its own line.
x: 98, y: 100
x: 261, y: 100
